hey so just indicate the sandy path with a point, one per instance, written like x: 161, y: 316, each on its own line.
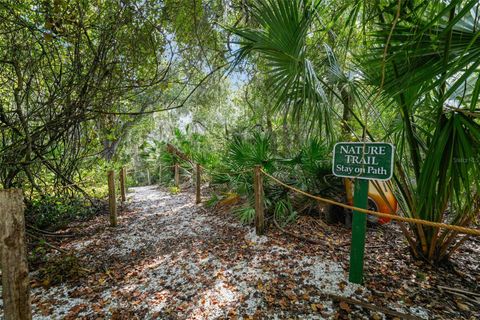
x: 170, y: 260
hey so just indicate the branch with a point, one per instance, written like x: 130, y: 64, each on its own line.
x: 168, y: 108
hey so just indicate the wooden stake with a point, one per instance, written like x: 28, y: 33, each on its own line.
x: 160, y: 174
x: 177, y: 175
x: 259, y: 210
x: 122, y: 184
x: 13, y: 257
x: 112, y: 201
x: 198, y: 186
x: 148, y: 177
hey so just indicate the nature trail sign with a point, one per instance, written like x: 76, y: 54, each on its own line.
x: 363, y: 161
x: 370, y: 160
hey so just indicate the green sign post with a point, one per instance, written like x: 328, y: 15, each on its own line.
x: 363, y: 161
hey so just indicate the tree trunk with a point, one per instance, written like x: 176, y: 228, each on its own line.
x: 347, y: 100
x: 13, y: 257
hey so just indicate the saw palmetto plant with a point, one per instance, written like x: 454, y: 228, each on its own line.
x: 420, y: 62
x: 427, y: 69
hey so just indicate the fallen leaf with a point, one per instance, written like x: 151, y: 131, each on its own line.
x: 345, y: 306
x: 74, y: 311
x: 462, y: 306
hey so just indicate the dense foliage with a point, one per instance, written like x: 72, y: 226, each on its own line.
x: 94, y: 85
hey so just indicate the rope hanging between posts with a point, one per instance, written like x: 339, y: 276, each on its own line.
x: 459, y: 229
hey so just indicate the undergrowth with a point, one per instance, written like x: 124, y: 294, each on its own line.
x: 53, y: 212
x: 59, y: 269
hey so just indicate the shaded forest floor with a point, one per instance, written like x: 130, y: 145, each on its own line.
x: 170, y: 259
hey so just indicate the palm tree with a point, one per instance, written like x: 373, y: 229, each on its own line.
x: 426, y: 63
x: 420, y: 59
x: 281, y: 40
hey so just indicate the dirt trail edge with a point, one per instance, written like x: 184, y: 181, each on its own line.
x: 168, y: 259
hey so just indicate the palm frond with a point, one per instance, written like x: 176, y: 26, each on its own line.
x: 281, y: 41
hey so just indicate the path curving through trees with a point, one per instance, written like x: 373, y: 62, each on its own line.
x: 168, y: 259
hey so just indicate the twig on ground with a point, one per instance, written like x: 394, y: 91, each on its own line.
x: 50, y: 234
x: 459, y: 290
x: 297, y: 235
x: 48, y: 244
x: 464, y: 294
x: 365, y: 305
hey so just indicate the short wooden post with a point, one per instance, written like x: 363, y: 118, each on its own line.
x: 122, y: 184
x: 177, y: 175
x: 198, y: 184
x: 259, y: 210
x: 13, y: 257
x: 148, y: 177
x: 160, y: 174
x: 112, y: 201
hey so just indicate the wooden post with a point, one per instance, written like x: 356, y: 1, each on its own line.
x: 198, y: 183
x: 112, y: 201
x: 148, y: 177
x: 177, y: 175
x: 13, y: 257
x: 258, y: 188
x: 160, y: 174
x: 122, y: 184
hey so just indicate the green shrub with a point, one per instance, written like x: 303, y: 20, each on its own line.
x: 212, y: 201
x: 174, y: 190
x: 53, y: 213
x: 246, y: 214
x: 284, y: 213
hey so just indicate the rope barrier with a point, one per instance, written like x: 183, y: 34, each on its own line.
x: 459, y: 229
x: 238, y: 172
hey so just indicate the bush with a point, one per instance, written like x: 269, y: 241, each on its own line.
x: 246, y: 214
x: 284, y: 212
x: 53, y: 212
x: 307, y: 169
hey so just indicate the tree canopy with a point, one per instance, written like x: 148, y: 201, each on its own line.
x: 90, y: 85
